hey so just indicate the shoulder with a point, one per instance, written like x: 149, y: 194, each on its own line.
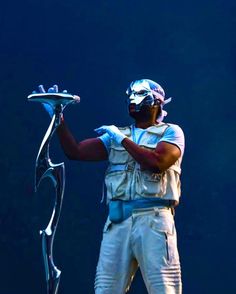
x: 174, y: 135
x: 174, y: 129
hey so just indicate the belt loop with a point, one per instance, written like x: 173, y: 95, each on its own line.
x: 156, y: 210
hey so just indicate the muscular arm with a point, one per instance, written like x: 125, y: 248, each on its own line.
x: 158, y: 160
x: 89, y: 149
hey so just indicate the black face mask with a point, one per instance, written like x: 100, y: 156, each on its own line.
x: 145, y: 113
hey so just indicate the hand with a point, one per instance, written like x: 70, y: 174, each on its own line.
x: 113, y: 132
x: 46, y: 106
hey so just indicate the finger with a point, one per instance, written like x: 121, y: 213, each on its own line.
x: 64, y: 91
x: 55, y: 88
x: 51, y: 90
x: 41, y: 89
x: 99, y: 130
x: 99, y: 133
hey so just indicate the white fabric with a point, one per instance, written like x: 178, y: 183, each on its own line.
x: 115, y: 134
x: 106, y: 139
x: 174, y: 135
x: 139, y: 185
x: 147, y: 239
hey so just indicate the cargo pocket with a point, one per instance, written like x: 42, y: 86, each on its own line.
x: 116, y: 183
x: 118, y: 155
x: 165, y: 226
x: 151, y: 184
x: 116, y: 174
x: 171, y: 249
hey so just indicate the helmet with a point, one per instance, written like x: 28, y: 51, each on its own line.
x: 147, y: 92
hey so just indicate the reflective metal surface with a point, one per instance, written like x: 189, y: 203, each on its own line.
x: 56, y: 172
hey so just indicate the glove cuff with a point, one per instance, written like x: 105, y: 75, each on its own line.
x: 120, y: 138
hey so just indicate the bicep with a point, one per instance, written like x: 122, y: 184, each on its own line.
x: 167, y: 154
x: 91, y: 149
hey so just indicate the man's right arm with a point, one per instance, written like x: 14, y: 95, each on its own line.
x: 90, y: 149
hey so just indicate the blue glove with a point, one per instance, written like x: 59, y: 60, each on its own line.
x: 46, y: 106
x: 113, y: 132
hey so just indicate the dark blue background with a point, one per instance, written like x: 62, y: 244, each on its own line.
x: 94, y: 49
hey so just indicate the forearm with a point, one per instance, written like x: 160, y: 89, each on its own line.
x: 147, y: 159
x: 67, y: 141
x: 91, y: 149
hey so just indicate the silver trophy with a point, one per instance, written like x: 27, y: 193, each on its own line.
x: 56, y: 172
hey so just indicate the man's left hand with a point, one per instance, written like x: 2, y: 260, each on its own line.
x: 113, y: 132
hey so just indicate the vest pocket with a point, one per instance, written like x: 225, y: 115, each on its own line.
x: 151, y: 184
x: 116, y: 183
x: 118, y: 155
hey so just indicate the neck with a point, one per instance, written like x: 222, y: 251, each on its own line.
x: 145, y: 124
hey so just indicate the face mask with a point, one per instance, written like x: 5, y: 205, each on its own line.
x: 146, y: 92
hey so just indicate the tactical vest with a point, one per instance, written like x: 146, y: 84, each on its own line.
x: 126, y: 181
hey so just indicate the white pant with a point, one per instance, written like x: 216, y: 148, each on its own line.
x: 147, y: 239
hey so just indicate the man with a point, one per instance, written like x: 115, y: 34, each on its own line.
x: 143, y: 187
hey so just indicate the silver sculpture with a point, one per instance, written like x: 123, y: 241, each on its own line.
x: 56, y: 172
